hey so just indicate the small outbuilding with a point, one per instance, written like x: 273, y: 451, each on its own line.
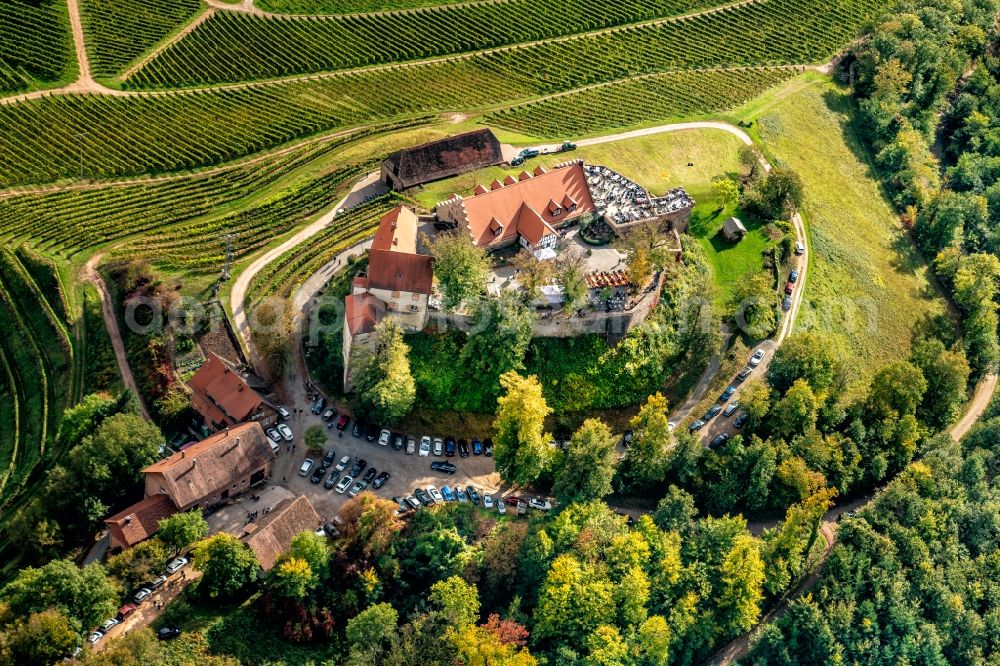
x: 733, y: 230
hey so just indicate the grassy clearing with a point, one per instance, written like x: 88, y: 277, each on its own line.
x: 866, y: 280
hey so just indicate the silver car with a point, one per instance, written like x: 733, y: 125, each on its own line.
x: 435, y: 494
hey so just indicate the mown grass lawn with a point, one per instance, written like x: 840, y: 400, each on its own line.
x: 866, y: 280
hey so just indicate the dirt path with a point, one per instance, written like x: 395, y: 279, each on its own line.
x: 90, y: 274
x: 980, y: 401
x: 168, y: 42
x: 79, y: 42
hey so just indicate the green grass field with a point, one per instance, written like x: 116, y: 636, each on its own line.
x: 866, y: 281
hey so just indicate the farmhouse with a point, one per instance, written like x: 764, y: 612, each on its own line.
x: 398, y: 282
x: 272, y: 535
x: 441, y: 159
x: 202, y: 475
x: 223, y: 397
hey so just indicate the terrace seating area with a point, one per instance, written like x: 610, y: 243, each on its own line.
x: 621, y: 201
x: 607, y: 279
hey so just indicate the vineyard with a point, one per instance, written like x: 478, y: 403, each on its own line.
x: 342, y: 6
x: 35, y: 43
x: 119, y: 31
x: 37, y: 369
x: 196, y: 247
x: 233, y: 46
x: 622, y: 104
x: 284, y: 275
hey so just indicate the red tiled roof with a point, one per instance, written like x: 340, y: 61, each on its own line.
x: 531, y: 225
x: 139, y: 521
x: 272, y: 535
x: 362, y: 312
x: 505, y: 203
x: 400, y: 271
x: 221, y: 395
x: 397, y: 231
x: 212, y: 464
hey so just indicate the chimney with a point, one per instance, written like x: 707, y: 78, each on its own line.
x: 227, y: 431
x: 128, y: 520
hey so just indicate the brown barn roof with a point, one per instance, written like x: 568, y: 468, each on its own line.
x: 221, y: 395
x: 272, y: 535
x: 362, y: 312
x: 445, y: 158
x: 212, y: 464
x: 139, y: 521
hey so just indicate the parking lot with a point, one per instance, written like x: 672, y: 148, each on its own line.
x: 408, y: 471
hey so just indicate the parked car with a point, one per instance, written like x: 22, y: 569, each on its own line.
x: 317, y: 475
x: 441, y: 466
x: 799, y: 248
x: 449, y: 447
x: 329, y: 414
x: 473, y: 495
x: 435, y: 494
x: 358, y: 488
x: 730, y: 409
x: 343, y: 421
x: 371, y: 432
x: 513, y: 500
x: 488, y: 446
x: 696, y: 425
x: 718, y: 441
x: 157, y: 583
x: 789, y: 288
x: 540, y: 504
x: 786, y: 304
x: 358, y: 467
x: 425, y: 446
x: 712, y: 412
x: 358, y: 430
x: 448, y: 493
x: 477, y: 447
x: 438, y: 447
x: 463, y: 448
x: 384, y: 437
x: 412, y: 502
x: 344, y: 484
x: 126, y: 610
x: 461, y: 494
x: 306, y: 467
x: 342, y: 465
x: 398, y: 441
x: 284, y: 413
x: 176, y: 564
x: 166, y: 633
x: 744, y: 373
x: 793, y: 277
x: 95, y: 636
x: 318, y: 405
x: 501, y: 506
x: 411, y: 445
x: 728, y: 393
x: 274, y: 435
x: 332, y: 479
x: 757, y: 357
x: 285, y: 432
x: 423, y: 497
x: 141, y: 595
x: 370, y: 474
x: 739, y: 421
x: 328, y: 459
x: 401, y: 503
x: 487, y: 501
x: 111, y: 622
x: 380, y: 480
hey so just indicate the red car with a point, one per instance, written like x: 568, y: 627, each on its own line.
x: 342, y: 422
x: 790, y: 287
x: 126, y: 610
x: 513, y: 500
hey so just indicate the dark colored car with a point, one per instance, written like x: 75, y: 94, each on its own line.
x: 512, y: 500
x: 331, y: 480
x: 328, y: 459
x: 358, y: 468
x: 786, y: 304
x: 441, y: 466
x: 358, y: 430
x: 463, y: 448
x: 488, y: 446
x: 380, y: 481
x: 473, y: 495
x: 744, y: 373
x: 712, y: 412
x: 793, y: 276
x: 739, y: 421
x: 331, y: 530
x: 696, y: 425
x: 317, y: 475
x: 343, y: 421
x: 370, y: 474
x: 318, y: 406
x: 423, y: 497
x: 397, y: 441
x: 728, y: 393
x: 718, y: 441
x: 166, y: 633
x: 477, y: 447
x: 449, y: 447
x: 371, y: 432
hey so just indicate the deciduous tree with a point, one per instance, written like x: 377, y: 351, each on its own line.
x: 795, y: 413
x: 182, y: 529
x: 588, y: 465
x: 384, y: 386
x: 227, y: 566
x: 646, y: 458
x: 461, y: 268
x: 810, y: 355
x: 522, y: 448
